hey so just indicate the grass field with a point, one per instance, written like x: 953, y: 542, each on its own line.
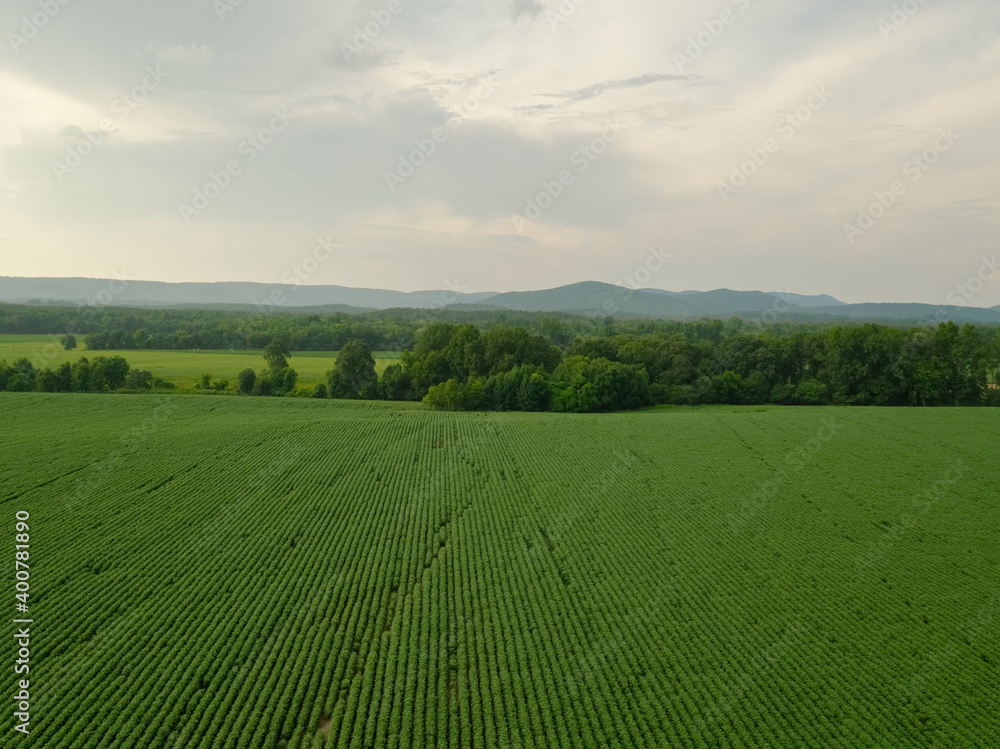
x: 183, y: 368
x: 236, y: 572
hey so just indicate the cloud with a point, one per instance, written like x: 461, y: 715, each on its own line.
x: 529, y: 8
x: 592, y: 91
x: 554, y: 88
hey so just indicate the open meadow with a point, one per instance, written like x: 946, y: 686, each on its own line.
x: 254, y: 572
x: 182, y: 368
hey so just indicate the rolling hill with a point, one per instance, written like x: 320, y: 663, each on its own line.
x: 590, y: 298
x: 160, y: 294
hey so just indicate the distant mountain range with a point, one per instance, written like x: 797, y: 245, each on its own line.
x: 594, y: 298
x: 587, y: 298
x: 161, y: 294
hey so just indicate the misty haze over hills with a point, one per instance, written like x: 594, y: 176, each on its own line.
x: 590, y: 298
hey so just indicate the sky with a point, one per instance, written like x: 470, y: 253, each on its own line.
x: 834, y: 146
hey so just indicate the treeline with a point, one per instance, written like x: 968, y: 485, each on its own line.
x: 458, y: 367
x: 129, y: 328
x: 501, y: 360
x: 98, y: 375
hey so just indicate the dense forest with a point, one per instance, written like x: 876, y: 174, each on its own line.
x: 252, y: 329
x: 457, y: 367
x: 467, y: 360
x: 128, y: 328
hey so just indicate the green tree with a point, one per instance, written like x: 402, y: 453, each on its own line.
x: 64, y: 378
x: 47, y: 381
x: 80, y: 375
x: 728, y: 387
x: 20, y: 383
x: 277, y: 354
x: 246, y: 380
x: 139, y: 379
x: 21, y: 378
x: 69, y: 341
x: 396, y: 384
x: 353, y: 372
x: 448, y: 396
x: 284, y: 380
x: 108, y: 373
x: 583, y: 384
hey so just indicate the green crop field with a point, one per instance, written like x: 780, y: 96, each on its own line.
x: 183, y: 368
x: 254, y: 572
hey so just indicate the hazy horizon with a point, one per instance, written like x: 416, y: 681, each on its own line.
x: 449, y: 287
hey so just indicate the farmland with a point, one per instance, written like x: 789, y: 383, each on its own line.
x: 182, y: 368
x: 237, y: 572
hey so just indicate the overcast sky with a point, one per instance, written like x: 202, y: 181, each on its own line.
x: 644, y: 108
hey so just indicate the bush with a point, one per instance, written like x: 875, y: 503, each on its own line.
x: 449, y: 396
x: 139, y: 379
x: 396, y: 384
x: 783, y: 395
x: 682, y: 395
x: 811, y: 392
x: 728, y: 388
x: 583, y: 385
x: 20, y: 383
x: 246, y: 380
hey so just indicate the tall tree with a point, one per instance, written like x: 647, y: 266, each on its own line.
x: 246, y: 380
x: 277, y: 354
x: 353, y: 374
